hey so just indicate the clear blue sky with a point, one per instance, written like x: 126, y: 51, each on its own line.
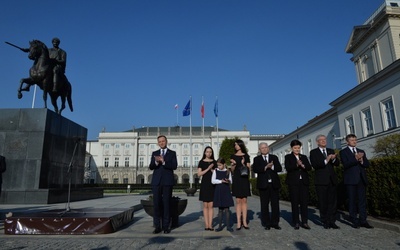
x: 274, y: 65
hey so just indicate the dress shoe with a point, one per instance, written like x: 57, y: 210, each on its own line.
x: 355, y: 225
x: 157, y: 230
x: 229, y: 229
x: 305, y: 226
x: 267, y: 228
x: 247, y: 228
x: 326, y: 226
x: 366, y: 225
x: 218, y: 229
x: 334, y: 226
x: 297, y: 226
x: 167, y: 231
x: 276, y: 227
x: 210, y: 229
x: 238, y: 228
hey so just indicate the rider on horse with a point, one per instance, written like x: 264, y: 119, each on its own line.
x: 59, y: 58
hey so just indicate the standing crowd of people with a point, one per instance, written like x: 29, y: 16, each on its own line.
x: 219, y: 185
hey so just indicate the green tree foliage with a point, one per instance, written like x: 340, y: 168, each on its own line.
x: 227, y: 149
x: 387, y: 145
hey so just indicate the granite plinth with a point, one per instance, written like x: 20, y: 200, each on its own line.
x: 38, y: 145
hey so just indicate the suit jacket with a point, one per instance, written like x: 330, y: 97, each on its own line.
x: 294, y: 172
x: 264, y: 175
x: 354, y: 171
x: 324, y: 174
x: 163, y: 175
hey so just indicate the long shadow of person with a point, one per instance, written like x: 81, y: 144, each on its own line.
x: 314, y: 217
x: 189, y: 217
x: 287, y: 216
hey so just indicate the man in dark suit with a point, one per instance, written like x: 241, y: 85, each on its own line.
x: 354, y: 163
x: 163, y: 163
x: 267, y: 167
x: 323, y: 161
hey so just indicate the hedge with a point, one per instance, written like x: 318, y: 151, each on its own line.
x: 383, y: 191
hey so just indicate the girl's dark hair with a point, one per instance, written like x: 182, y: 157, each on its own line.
x: 295, y: 143
x: 212, y: 154
x: 242, y: 146
x: 221, y: 160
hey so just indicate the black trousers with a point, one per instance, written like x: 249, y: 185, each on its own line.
x: 299, y: 201
x: 268, y: 196
x: 161, y: 200
x: 327, y: 197
x: 357, y: 193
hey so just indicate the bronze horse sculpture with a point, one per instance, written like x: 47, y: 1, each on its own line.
x: 41, y: 74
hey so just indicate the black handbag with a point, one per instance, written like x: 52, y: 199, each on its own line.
x: 244, y: 171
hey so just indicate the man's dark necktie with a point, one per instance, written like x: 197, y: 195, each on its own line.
x: 324, y: 153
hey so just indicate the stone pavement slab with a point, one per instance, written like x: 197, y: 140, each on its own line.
x: 191, y: 234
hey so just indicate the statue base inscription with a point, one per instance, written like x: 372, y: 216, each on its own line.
x: 39, y: 146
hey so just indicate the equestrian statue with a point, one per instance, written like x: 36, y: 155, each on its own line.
x: 48, y: 72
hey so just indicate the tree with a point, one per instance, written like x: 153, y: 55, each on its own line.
x: 387, y: 145
x: 227, y: 149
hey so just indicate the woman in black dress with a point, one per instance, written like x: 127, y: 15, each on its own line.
x: 240, y: 183
x: 207, y: 164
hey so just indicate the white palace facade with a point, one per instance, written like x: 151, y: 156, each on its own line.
x: 124, y: 157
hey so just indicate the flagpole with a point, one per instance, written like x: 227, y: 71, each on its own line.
x: 202, y: 115
x: 34, y: 97
x: 216, y: 118
x: 177, y: 119
x: 190, y: 142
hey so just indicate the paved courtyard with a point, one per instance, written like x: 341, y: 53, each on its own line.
x: 191, y: 234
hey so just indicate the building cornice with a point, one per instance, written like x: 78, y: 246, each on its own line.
x: 369, y: 83
x: 362, y: 32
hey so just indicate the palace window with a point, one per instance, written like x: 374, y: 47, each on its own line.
x: 116, y: 162
x: 106, y: 162
x: 367, y: 122
x: 389, y: 117
x: 141, y: 161
x: 309, y: 145
x: 126, y: 161
x: 350, y: 125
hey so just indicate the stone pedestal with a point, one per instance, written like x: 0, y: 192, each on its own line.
x: 38, y: 145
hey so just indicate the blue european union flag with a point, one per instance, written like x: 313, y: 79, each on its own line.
x: 187, y: 109
x: 216, y: 108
